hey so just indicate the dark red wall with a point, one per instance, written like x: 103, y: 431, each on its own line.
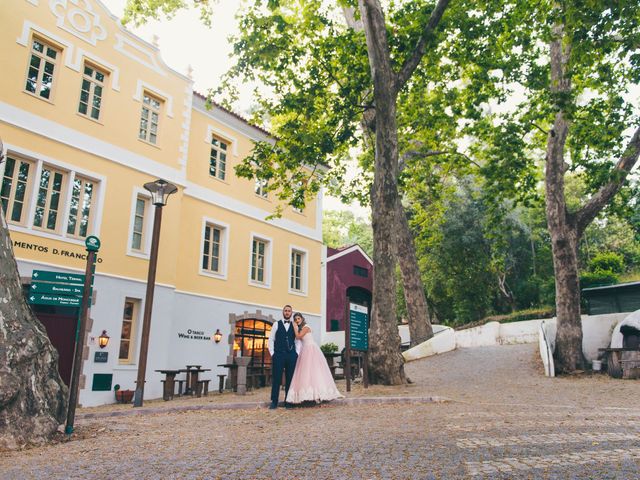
x: 340, y: 276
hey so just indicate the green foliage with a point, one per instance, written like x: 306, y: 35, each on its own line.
x: 473, y: 123
x: 518, y: 316
x: 607, y: 262
x: 598, y: 279
x: 341, y: 228
x: 139, y: 11
x: 329, y: 347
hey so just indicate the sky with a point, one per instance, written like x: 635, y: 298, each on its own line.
x: 185, y: 41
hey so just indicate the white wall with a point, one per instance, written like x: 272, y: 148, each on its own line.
x: 596, y: 330
x: 443, y: 340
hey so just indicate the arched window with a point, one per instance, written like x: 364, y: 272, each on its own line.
x: 251, y: 339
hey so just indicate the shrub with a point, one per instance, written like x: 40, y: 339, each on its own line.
x: 598, y: 279
x: 519, y: 316
x: 329, y: 347
x: 609, y: 262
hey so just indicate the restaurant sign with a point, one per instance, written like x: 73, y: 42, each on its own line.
x: 194, y: 335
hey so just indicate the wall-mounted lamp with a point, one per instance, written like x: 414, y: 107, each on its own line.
x: 103, y: 340
x: 217, y: 336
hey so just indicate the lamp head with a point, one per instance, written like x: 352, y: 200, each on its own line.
x: 103, y: 340
x: 160, y: 191
x: 217, y: 336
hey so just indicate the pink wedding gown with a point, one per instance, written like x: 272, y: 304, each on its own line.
x: 312, y: 380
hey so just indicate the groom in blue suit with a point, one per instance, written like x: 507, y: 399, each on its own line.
x: 284, y: 349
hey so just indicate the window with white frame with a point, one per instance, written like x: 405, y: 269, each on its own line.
x: 297, y: 272
x: 14, y: 192
x: 127, y: 333
x: 93, y: 80
x: 49, y: 199
x: 45, y: 197
x: 150, y: 118
x: 259, y: 260
x: 140, y: 222
x: 260, y: 188
x: 218, y: 158
x: 82, y: 194
x: 212, y: 249
x: 43, y: 59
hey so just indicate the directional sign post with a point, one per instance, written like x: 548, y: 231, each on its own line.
x: 59, y: 289
x: 359, y: 327
x: 53, y: 299
x: 357, y: 338
x: 59, y: 277
x: 93, y: 244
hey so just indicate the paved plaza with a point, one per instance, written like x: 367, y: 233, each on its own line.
x: 475, y: 413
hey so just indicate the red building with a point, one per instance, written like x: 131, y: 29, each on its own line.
x: 349, y: 273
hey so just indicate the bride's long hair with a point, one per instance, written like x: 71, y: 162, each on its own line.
x: 302, y: 323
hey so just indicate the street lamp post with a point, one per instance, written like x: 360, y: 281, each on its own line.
x: 160, y: 191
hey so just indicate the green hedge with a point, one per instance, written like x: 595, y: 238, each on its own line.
x: 519, y: 316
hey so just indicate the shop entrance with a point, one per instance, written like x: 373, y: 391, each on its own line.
x: 61, y: 330
x: 251, y: 339
x: 60, y: 324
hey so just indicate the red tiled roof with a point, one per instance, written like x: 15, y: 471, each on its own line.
x: 238, y: 116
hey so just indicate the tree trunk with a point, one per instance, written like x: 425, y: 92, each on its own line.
x: 386, y: 362
x: 420, y: 328
x: 32, y: 394
x: 562, y: 226
x: 417, y: 309
x: 567, y: 229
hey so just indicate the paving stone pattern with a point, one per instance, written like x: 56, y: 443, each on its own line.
x: 504, y: 420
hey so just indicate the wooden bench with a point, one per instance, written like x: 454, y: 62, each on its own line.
x: 180, y: 386
x: 202, y: 388
x: 221, y: 377
x: 166, y: 394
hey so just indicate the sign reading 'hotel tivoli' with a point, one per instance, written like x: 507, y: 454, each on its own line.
x: 56, y: 288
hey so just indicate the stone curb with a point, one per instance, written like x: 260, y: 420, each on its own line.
x: 257, y: 405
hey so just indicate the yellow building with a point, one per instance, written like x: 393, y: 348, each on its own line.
x: 88, y: 114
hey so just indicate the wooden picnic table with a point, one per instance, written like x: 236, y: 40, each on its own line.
x: 193, y: 371
x: 169, y: 383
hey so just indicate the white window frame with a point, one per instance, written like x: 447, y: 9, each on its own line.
x: 63, y: 199
x: 70, y: 171
x: 219, y: 152
x: 161, y: 101
x: 260, y: 189
x: 78, y: 215
x: 93, y: 82
x: 28, y: 195
x: 148, y: 224
x: 57, y: 64
x: 304, y: 277
x: 133, y: 335
x: 267, y: 262
x: 224, y: 250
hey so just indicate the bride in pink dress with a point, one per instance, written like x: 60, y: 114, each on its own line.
x: 312, y: 380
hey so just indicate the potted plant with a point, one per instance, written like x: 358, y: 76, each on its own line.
x: 123, y: 396
x: 329, y: 349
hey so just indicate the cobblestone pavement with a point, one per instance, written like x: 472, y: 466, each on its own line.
x: 504, y: 420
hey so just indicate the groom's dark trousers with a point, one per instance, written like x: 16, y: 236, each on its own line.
x: 284, y: 359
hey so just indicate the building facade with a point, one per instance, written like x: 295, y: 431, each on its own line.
x: 349, y: 273
x: 89, y: 113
